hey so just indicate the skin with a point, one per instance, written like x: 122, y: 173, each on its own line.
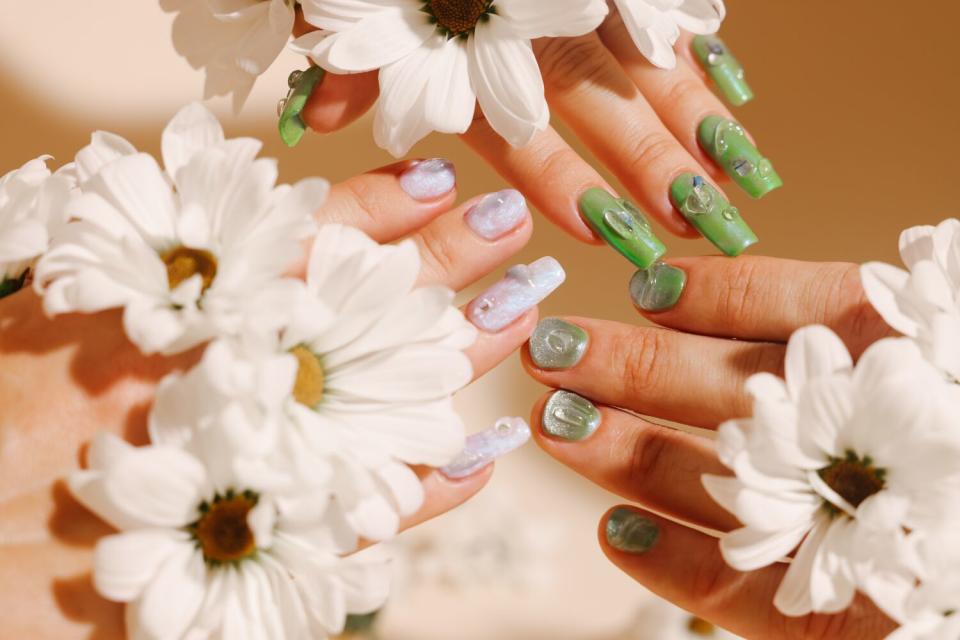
x: 733, y: 321
x: 64, y: 379
x: 590, y: 81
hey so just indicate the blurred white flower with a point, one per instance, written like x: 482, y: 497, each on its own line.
x: 204, y: 553
x: 655, y: 25
x: 841, y: 462
x: 438, y: 58
x: 189, y: 254
x: 923, y: 302
x: 32, y: 208
x: 233, y: 41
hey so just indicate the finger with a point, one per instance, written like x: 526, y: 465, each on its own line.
x: 441, y: 494
x: 587, y: 88
x: 760, y: 298
x: 656, y: 466
x: 696, y: 380
x: 685, y: 567
x: 340, y: 100
x: 491, y: 349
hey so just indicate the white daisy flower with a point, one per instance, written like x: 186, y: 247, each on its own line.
x: 438, y: 58
x: 924, y: 301
x: 188, y: 254
x: 655, y: 25
x: 32, y: 208
x: 203, y: 552
x: 233, y: 41
x: 841, y: 462
x: 364, y: 370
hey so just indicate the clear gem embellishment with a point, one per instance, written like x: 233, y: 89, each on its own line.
x: 744, y: 167
x: 621, y: 222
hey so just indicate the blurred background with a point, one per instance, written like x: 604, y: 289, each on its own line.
x: 857, y: 105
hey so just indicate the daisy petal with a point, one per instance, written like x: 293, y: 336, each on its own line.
x: 192, y: 130
x: 172, y: 599
x: 813, y: 352
x: 881, y: 283
x: 748, y: 549
x: 566, y: 18
x: 793, y: 596
x: 373, y: 42
x: 124, y: 563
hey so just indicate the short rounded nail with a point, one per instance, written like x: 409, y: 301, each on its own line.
x: 623, y: 226
x: 497, y: 214
x: 658, y: 288
x: 506, y: 435
x: 557, y: 344
x: 723, y: 68
x: 628, y: 531
x: 727, y: 143
x: 524, y: 287
x: 712, y: 215
x: 429, y: 179
x: 570, y: 417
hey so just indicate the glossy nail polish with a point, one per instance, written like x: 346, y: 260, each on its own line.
x: 623, y: 227
x: 707, y: 210
x: 497, y: 214
x: 631, y: 532
x: 557, y: 344
x: 483, y: 448
x: 570, y: 417
x: 723, y: 68
x: 429, y: 179
x: 302, y: 84
x: 727, y: 143
x: 524, y: 287
x: 657, y: 288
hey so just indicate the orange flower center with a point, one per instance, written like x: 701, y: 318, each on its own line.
x: 222, y: 532
x: 184, y: 263
x: 854, y: 478
x: 308, y: 388
x: 458, y: 18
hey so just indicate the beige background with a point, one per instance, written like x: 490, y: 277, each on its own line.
x: 858, y: 106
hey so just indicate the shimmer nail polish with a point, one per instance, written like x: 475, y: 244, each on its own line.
x: 429, y: 179
x: 724, y: 69
x: 485, y: 447
x: 623, y: 226
x: 524, y: 287
x: 629, y: 531
x: 657, y: 288
x: 707, y: 210
x: 302, y: 84
x: 727, y: 143
x: 570, y: 417
x: 497, y: 214
x: 557, y: 344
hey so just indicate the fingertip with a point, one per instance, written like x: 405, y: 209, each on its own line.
x: 339, y: 100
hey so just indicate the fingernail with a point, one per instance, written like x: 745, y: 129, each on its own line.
x: 302, y: 84
x: 623, y: 226
x: 429, y: 179
x: 570, y: 417
x: 657, y: 288
x: 707, y: 210
x: 724, y: 69
x: 629, y: 531
x: 557, y: 344
x: 523, y: 288
x: 497, y: 214
x: 483, y: 448
x: 727, y: 143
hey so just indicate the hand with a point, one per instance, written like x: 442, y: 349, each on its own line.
x: 732, y: 321
x: 63, y: 380
x: 640, y: 121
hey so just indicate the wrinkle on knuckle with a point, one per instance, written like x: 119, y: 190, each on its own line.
x: 439, y: 254
x: 683, y: 91
x: 638, y: 352
x: 648, y: 150
x: 570, y: 63
x: 735, y: 300
x: 649, y: 444
x: 361, y: 202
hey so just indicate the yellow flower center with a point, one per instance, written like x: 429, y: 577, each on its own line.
x: 184, y: 263
x: 700, y: 627
x: 458, y: 18
x: 222, y: 532
x: 308, y: 387
x: 854, y: 478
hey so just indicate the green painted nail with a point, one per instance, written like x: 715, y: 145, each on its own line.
x: 570, y: 417
x: 724, y: 69
x: 557, y: 344
x: 628, y: 531
x: 302, y: 83
x: 9, y: 286
x: 623, y: 226
x: 728, y: 144
x: 657, y: 288
x: 714, y: 217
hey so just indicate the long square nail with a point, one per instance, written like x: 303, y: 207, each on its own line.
x: 497, y: 214
x: 429, y: 179
x: 628, y: 531
x: 523, y: 288
x: 707, y: 210
x: 723, y: 68
x: 570, y: 417
x: 727, y: 143
x: 658, y: 288
x: 483, y: 448
x: 557, y: 344
x: 622, y: 226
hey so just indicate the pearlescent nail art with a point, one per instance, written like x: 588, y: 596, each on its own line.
x: 557, y: 344
x: 622, y: 226
x: 483, y: 448
x: 570, y: 417
x: 497, y: 214
x: 429, y: 179
x: 723, y: 68
x: 629, y: 531
x: 524, y: 287
x: 657, y: 288
x: 727, y: 143
x: 713, y: 216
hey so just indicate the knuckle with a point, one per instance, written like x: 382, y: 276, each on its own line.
x: 569, y: 63
x: 648, y: 445
x: 709, y: 581
x: 361, y: 201
x: 863, y: 323
x: 648, y: 150
x: 735, y: 297
x: 439, y: 254
x: 638, y: 352
x: 683, y: 91
x: 558, y: 160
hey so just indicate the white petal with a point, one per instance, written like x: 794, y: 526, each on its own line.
x: 192, y: 130
x: 565, y: 18
x: 825, y: 406
x: 418, y: 372
x: 700, y: 16
x: 652, y: 32
x: 171, y: 600
x: 373, y: 42
x: 339, y: 15
x: 103, y: 149
x: 124, y: 563
x: 793, y: 596
x: 157, y: 485
x: 404, y: 487
x: 916, y: 244
x: 881, y: 283
x: 748, y: 549
x: 137, y: 188
x: 812, y: 352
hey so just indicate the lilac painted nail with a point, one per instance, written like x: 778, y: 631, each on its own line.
x: 524, y: 287
x: 483, y: 448
x: 429, y: 179
x: 497, y: 214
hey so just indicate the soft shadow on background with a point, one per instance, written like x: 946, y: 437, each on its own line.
x: 857, y: 105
